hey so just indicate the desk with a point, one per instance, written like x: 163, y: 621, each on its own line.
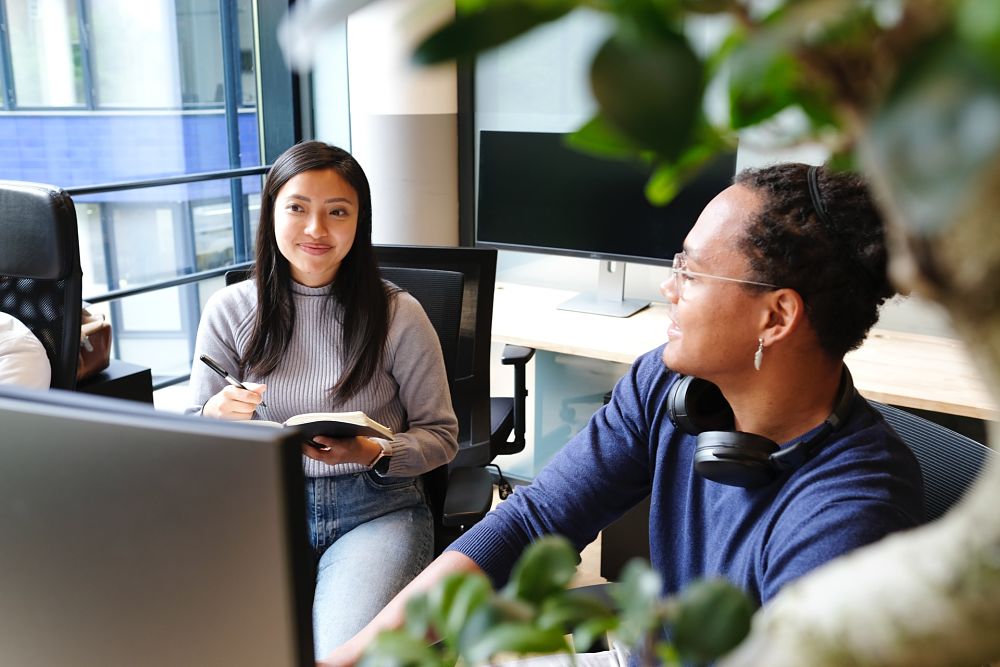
x: 908, y: 370
x: 121, y: 380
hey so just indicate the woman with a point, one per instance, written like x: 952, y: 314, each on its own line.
x: 782, y: 274
x: 317, y: 330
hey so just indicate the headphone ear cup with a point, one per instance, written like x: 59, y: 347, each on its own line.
x: 697, y: 405
x: 735, y: 458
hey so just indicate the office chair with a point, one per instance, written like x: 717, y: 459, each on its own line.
x: 949, y: 463
x: 40, y: 276
x: 462, y: 493
x: 488, y: 426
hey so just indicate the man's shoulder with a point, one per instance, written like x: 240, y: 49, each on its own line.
x: 864, y: 462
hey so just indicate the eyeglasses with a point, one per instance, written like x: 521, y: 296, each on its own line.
x: 681, y: 275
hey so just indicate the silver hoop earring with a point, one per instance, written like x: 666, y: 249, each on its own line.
x: 758, y: 356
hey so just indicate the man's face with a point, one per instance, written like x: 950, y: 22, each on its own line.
x: 713, y: 333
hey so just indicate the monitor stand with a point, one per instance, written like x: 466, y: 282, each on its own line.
x: 610, y: 298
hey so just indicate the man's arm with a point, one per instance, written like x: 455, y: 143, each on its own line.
x: 391, y: 616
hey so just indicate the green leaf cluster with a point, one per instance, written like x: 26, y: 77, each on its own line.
x: 535, y: 613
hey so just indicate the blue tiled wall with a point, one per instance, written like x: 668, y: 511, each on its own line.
x: 80, y: 148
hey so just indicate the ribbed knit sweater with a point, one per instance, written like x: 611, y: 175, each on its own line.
x: 409, y: 393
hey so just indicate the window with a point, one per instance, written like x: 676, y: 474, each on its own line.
x: 45, y: 53
x: 117, y: 92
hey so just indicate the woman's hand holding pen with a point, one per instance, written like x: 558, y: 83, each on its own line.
x: 358, y: 449
x: 234, y: 403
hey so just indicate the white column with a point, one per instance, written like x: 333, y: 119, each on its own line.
x: 404, y: 122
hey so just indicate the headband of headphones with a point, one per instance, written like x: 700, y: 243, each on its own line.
x: 736, y: 458
x: 797, y: 453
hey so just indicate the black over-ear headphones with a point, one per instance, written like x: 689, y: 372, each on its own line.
x: 736, y: 458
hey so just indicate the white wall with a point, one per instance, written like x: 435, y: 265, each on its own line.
x: 402, y: 126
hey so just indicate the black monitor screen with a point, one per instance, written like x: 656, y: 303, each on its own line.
x: 538, y: 194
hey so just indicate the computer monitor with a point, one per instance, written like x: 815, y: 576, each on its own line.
x: 136, y: 537
x: 538, y: 194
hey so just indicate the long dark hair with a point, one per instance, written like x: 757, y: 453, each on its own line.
x: 358, y: 286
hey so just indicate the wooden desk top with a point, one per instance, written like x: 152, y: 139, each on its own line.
x: 909, y: 370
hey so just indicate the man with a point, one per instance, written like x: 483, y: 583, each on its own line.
x: 782, y: 275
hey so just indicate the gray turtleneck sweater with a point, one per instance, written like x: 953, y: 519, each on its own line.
x: 409, y: 394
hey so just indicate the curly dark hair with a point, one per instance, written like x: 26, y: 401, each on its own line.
x: 836, y: 260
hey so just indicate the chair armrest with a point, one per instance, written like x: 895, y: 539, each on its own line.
x: 468, y: 497
x: 516, y: 355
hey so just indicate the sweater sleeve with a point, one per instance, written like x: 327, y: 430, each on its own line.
x: 224, y: 313
x: 599, y: 474
x: 417, y: 364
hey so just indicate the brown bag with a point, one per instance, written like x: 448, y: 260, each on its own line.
x: 95, y: 344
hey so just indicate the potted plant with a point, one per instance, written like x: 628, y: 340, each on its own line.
x: 536, y: 613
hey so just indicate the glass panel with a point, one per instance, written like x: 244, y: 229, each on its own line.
x: 213, y: 231
x: 92, y: 257
x: 135, y: 56
x: 248, y: 59
x: 199, y: 36
x: 45, y: 52
x: 157, y: 330
x: 3, y: 70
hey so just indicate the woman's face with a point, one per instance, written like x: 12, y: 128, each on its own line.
x: 315, y: 221
x: 715, y: 323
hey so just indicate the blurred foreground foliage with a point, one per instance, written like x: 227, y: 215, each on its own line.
x: 535, y: 613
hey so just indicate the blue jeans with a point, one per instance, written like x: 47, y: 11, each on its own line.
x: 371, y: 536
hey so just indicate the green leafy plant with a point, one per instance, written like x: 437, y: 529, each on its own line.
x: 536, y: 613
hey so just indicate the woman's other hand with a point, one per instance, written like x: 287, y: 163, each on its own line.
x: 235, y: 404
x: 342, y: 450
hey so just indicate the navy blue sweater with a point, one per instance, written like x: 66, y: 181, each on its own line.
x: 862, y: 484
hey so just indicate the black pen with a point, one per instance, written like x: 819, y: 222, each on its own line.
x: 224, y: 374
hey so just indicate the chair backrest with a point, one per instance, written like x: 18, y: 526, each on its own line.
x: 40, y: 276
x: 440, y: 293
x: 949, y: 461
x: 471, y: 371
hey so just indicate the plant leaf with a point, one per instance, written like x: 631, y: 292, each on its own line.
x: 473, y: 592
x: 762, y: 81
x: 494, y: 24
x: 598, y: 137
x: 668, y: 177
x: 547, y: 566
x: 713, y: 616
x: 566, y: 610
x: 649, y: 88
x: 638, y: 596
x: 588, y: 632
x: 978, y: 25
x: 518, y: 638
x: 395, y: 648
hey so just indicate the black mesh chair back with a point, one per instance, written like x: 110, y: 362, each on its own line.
x: 470, y: 374
x: 40, y: 276
x: 440, y: 293
x: 949, y: 461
